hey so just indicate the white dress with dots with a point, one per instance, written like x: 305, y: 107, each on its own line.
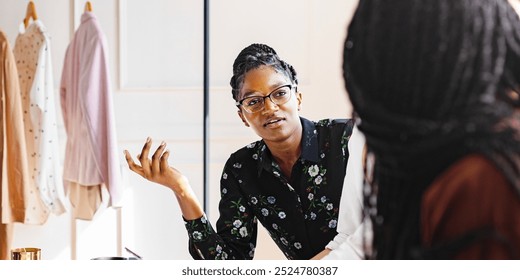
x: 33, y: 59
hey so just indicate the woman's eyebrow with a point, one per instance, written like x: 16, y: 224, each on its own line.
x: 251, y: 92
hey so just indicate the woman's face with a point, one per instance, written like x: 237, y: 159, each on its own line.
x: 274, y: 123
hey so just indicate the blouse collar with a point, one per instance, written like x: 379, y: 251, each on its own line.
x: 87, y: 16
x: 309, y: 145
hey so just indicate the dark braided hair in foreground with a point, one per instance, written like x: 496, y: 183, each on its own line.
x: 254, y: 56
x: 428, y: 80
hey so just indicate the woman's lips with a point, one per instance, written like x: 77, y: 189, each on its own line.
x: 273, y: 122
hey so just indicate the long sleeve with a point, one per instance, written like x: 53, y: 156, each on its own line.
x: 15, y: 171
x: 237, y: 226
x: 45, y: 194
x: 43, y: 116
x: 14, y: 168
x: 347, y: 244
x: 91, y: 152
x: 97, y: 101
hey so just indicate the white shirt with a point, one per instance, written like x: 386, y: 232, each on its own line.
x: 348, y: 243
x: 33, y: 58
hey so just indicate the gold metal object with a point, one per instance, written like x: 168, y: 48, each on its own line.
x: 26, y: 254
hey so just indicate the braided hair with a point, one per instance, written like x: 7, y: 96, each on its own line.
x: 427, y: 80
x: 254, y: 56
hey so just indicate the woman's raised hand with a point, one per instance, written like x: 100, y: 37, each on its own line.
x: 156, y: 169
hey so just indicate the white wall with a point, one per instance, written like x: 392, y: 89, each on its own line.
x: 155, y: 49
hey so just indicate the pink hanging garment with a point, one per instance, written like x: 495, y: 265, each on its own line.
x: 91, y: 152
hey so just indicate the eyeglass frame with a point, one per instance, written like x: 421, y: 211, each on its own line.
x: 291, y: 86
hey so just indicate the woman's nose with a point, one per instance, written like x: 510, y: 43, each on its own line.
x: 269, y: 105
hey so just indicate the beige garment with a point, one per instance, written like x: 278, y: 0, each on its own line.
x: 14, y: 167
x: 6, y: 239
x: 86, y: 200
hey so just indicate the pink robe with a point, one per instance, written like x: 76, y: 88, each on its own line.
x: 91, y: 152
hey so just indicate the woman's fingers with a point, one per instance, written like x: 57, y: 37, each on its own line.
x: 143, y: 157
x: 156, y: 158
x: 132, y: 165
x: 155, y: 169
x: 164, y: 161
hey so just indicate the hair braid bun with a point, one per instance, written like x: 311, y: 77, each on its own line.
x: 254, y: 56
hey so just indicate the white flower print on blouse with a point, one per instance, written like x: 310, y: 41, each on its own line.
x: 237, y: 223
x: 314, y: 170
x: 243, y: 231
x: 197, y: 235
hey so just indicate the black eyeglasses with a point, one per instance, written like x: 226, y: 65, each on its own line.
x: 278, y: 96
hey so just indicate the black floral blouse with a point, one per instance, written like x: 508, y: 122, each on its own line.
x: 300, y: 213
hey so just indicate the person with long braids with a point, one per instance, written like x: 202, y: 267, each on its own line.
x: 290, y: 181
x: 435, y: 85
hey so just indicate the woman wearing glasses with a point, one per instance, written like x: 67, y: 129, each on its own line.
x: 290, y: 180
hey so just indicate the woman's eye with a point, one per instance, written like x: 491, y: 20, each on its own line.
x: 253, y: 101
x: 280, y: 93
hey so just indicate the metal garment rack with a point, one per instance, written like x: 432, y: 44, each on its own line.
x: 206, y: 108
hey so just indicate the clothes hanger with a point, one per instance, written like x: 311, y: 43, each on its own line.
x: 31, y: 13
x: 88, y: 7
